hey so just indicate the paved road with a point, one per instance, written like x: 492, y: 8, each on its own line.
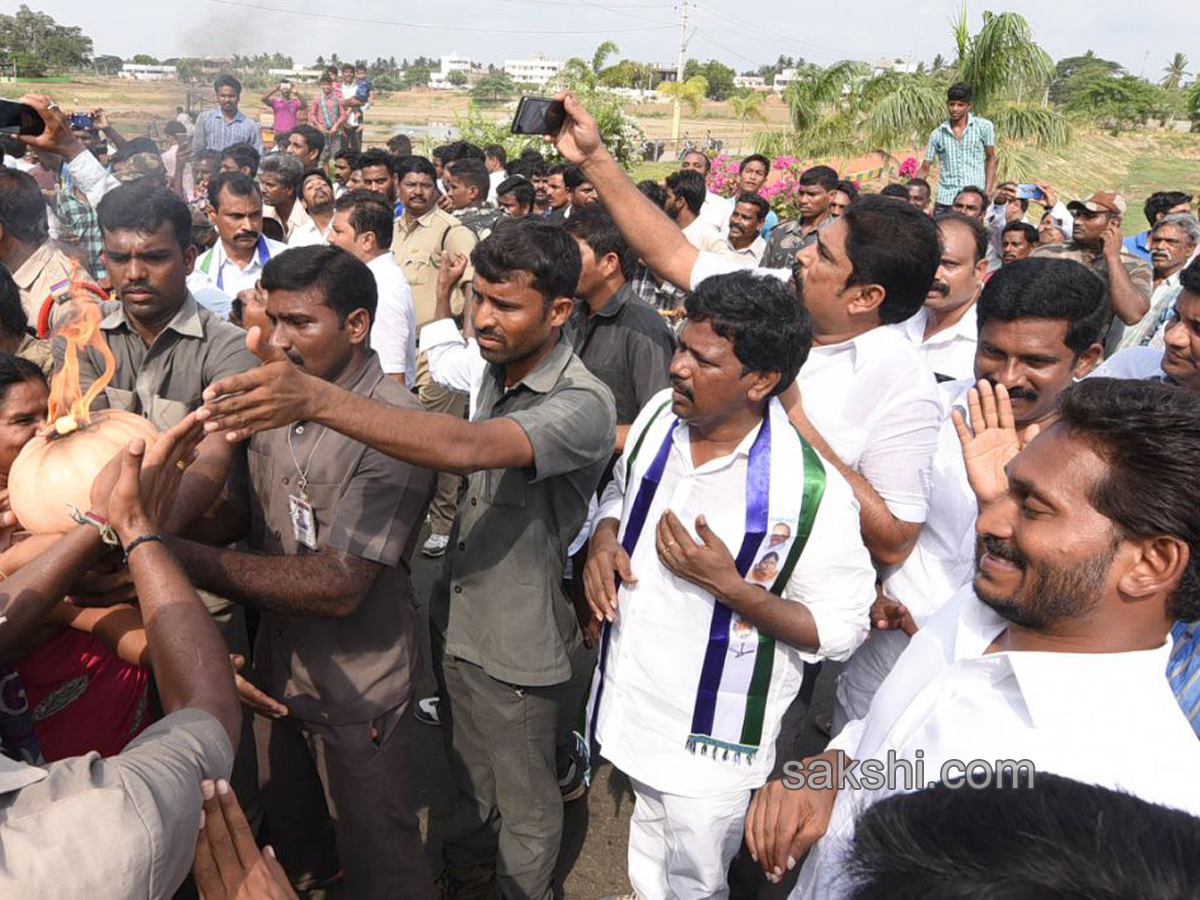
x: 592, y: 858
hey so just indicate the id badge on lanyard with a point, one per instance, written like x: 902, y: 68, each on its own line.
x: 304, y: 523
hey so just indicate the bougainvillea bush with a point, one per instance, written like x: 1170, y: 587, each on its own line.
x: 780, y: 190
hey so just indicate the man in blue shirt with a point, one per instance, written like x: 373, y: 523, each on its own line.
x: 224, y: 126
x: 1158, y: 204
x: 964, y: 147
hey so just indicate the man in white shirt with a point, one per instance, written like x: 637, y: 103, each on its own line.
x: 235, y: 262
x: 1172, y: 245
x: 944, y: 329
x: 495, y: 157
x: 744, y: 240
x: 685, y: 197
x: 870, y: 404
x: 1089, y: 548
x: 362, y: 225
x: 1041, y: 328
x: 715, y: 209
x: 281, y: 176
x: 703, y: 653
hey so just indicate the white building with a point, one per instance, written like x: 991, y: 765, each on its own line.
x: 140, y: 72
x: 537, y: 70
x: 753, y: 82
x: 296, y: 76
x: 898, y: 66
x: 451, y: 62
x: 783, y: 78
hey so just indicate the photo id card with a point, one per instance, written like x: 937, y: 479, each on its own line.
x: 304, y: 525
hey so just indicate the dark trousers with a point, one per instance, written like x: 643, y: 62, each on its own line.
x: 336, y: 793
x: 501, y: 745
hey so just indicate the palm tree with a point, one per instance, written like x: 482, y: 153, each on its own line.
x: 1002, y: 59
x: 690, y: 93
x: 746, y: 106
x: 815, y: 88
x: 1176, y: 71
x: 606, y: 49
x: 939, y: 63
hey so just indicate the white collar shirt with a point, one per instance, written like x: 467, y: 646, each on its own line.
x: 394, y: 331
x: 948, y: 699
x: 658, y: 642
x: 875, y: 402
x: 951, y: 352
x: 716, y: 210
x: 1136, y: 363
x: 225, y: 274
x: 703, y: 235
x: 753, y: 253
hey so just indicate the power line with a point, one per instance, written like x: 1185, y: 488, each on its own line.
x: 561, y: 5
x: 626, y: 15
x: 773, y: 36
x: 363, y: 21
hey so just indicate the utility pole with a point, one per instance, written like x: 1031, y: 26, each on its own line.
x: 683, y: 11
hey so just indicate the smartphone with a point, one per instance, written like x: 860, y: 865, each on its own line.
x: 20, y: 118
x: 1029, y: 192
x: 81, y: 121
x: 538, y: 115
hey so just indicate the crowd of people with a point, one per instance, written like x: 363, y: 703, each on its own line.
x: 578, y: 392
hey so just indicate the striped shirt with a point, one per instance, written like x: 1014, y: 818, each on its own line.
x: 213, y: 132
x: 960, y: 162
x: 1183, y: 671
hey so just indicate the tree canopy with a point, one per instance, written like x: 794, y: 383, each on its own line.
x: 35, y: 44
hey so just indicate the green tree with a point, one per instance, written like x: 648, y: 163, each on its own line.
x: 144, y: 59
x: 690, y: 93
x: 718, y: 76
x: 1118, y: 103
x: 107, y: 64
x: 457, y: 77
x: 494, y: 87
x: 1002, y: 61
x: 747, y: 106
x: 34, y: 43
x: 1192, y: 96
x: 1176, y: 72
x: 1074, y: 73
x: 414, y: 76
x: 189, y: 68
x: 603, y: 52
x: 626, y: 74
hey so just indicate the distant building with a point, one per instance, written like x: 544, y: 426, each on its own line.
x: 753, y: 82
x: 663, y: 72
x: 537, y: 70
x: 139, y: 72
x: 893, y: 65
x: 783, y: 78
x: 451, y: 62
x: 296, y: 76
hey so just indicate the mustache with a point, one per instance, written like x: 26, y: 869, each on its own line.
x: 246, y: 234
x: 490, y: 333
x: 939, y: 287
x: 1004, y: 551
x: 677, y: 384
x: 1016, y: 393
x: 138, y: 286
x: 295, y: 357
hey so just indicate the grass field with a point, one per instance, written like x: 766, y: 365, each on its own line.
x: 1136, y: 164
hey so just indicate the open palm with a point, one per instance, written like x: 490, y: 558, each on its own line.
x: 991, y: 440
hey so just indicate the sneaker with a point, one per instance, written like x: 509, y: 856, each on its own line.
x: 436, y: 545
x: 427, y: 710
x: 571, y: 785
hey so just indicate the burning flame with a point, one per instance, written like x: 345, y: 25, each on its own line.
x: 67, y: 399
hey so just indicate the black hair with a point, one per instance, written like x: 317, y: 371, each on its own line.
x: 313, y: 139
x: 896, y: 246
x: 244, y: 156
x: 1160, y: 202
x: 1030, y: 232
x: 473, y: 173
x: 343, y: 281
x: 847, y: 188
x: 496, y: 152
x: 756, y: 201
x: 1149, y: 434
x: 16, y: 370
x: 702, y: 155
x: 654, y: 191
x: 213, y: 156
x: 1020, y: 838
x: 351, y: 157
x: 13, y: 319
x: 400, y: 145
x: 961, y: 91
x: 573, y: 177
x: 440, y: 152
x: 546, y: 253
x: 316, y: 173
x: 769, y: 330
x: 593, y: 225
x: 174, y: 127
x: 418, y: 165
x: 22, y: 207
x: 540, y: 168
x: 521, y: 189
x: 920, y: 182
x: 239, y: 185
x: 977, y: 229
x: 898, y: 191
x: 531, y: 154
x: 227, y: 80
x: 462, y: 150
x: 1189, y: 278
x: 1041, y: 288
x: 557, y: 169
x: 972, y: 189
x: 377, y: 157
x: 369, y: 211
x: 755, y: 157
x: 819, y: 175
x: 144, y: 206
x: 286, y: 167
x: 521, y: 167
x: 688, y: 184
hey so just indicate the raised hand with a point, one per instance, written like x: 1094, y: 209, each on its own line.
x: 579, y: 138
x: 57, y: 138
x: 991, y: 441
x: 275, y: 394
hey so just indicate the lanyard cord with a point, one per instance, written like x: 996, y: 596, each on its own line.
x: 303, y: 482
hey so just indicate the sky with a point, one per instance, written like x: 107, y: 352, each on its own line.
x: 738, y: 33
